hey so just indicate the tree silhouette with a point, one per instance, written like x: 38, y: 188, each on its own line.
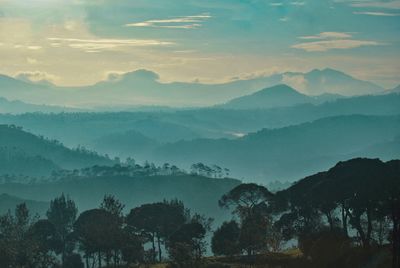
x: 225, y: 240
x: 157, y: 221
x: 93, y: 229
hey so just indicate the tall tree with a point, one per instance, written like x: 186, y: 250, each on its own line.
x: 157, y: 221
x: 245, y: 198
x: 62, y: 214
x: 94, y: 229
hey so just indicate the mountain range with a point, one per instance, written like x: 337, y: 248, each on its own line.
x: 143, y: 87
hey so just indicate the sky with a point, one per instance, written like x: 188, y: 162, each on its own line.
x: 81, y: 42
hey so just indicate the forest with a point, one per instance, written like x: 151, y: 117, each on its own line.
x: 347, y: 216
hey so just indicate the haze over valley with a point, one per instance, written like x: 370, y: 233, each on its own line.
x: 201, y: 134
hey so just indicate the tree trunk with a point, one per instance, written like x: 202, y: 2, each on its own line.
x: 369, y: 227
x: 99, y: 257
x: 344, y: 220
x: 63, y: 251
x: 108, y: 257
x: 395, y: 238
x: 159, y: 248
x: 330, y: 220
x: 357, y: 225
x: 154, y: 247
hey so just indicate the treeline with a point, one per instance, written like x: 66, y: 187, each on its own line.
x: 130, y: 168
x: 102, y: 236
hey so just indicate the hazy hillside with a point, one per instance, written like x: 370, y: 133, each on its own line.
x: 126, y: 144
x: 199, y: 193
x: 20, y: 147
x: 9, y: 202
x: 137, y: 133
x: 75, y: 129
x: 289, y: 152
x: 14, y: 160
x: 19, y: 107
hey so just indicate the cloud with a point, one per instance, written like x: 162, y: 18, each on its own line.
x: 334, y: 44
x: 332, y: 40
x: 36, y: 76
x: 276, y: 4
x: 327, y: 35
x: 297, y: 3
x: 97, y: 45
x: 371, y: 13
x: 293, y: 3
x: 31, y: 60
x: 394, y: 4
x: 185, y: 22
x: 298, y: 82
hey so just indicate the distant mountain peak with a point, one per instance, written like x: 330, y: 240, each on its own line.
x: 327, y: 71
x: 276, y: 96
x: 396, y: 89
x: 280, y: 88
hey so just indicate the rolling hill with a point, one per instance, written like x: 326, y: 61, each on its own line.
x: 19, y: 147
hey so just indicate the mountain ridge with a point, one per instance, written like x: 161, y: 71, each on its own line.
x: 276, y: 96
x: 143, y: 87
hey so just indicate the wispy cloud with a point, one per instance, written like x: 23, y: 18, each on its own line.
x: 184, y: 22
x: 97, y: 45
x: 332, y: 40
x: 327, y: 35
x: 297, y: 3
x: 36, y: 76
x: 371, y: 13
x: 393, y: 4
x: 293, y: 3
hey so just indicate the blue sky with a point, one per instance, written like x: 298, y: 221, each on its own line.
x: 77, y: 42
